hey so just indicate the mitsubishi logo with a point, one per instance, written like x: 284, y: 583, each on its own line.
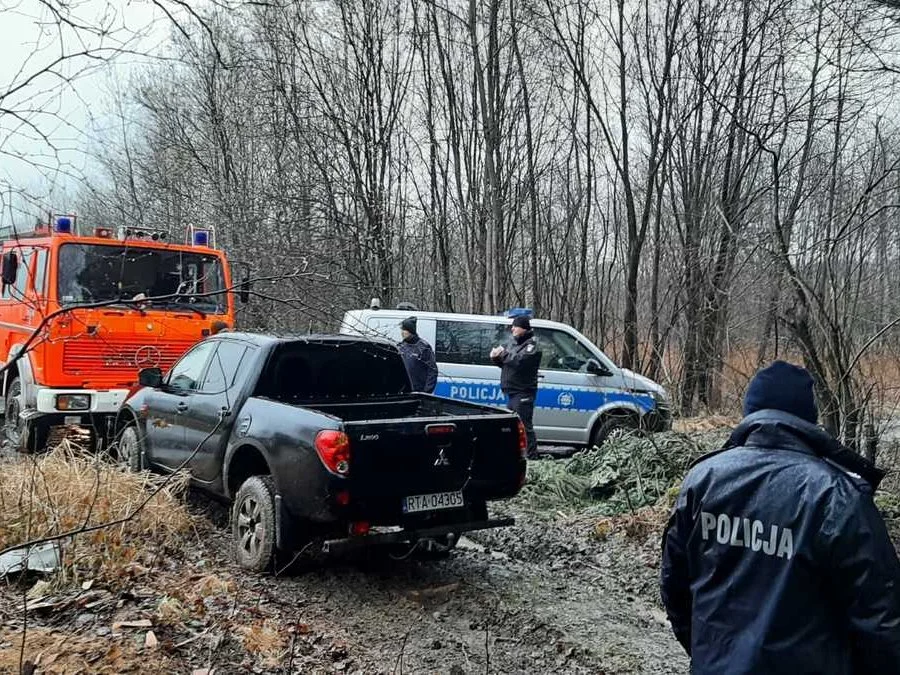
x: 441, y: 459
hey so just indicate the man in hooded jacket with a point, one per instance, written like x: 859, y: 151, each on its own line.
x: 418, y: 356
x: 775, y: 558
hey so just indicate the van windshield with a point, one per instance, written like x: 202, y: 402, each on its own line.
x: 180, y: 280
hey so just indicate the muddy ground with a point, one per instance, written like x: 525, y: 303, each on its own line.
x: 534, y: 598
x: 543, y: 596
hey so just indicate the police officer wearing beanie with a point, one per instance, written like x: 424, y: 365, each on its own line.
x: 418, y: 357
x: 775, y: 558
x: 519, y: 365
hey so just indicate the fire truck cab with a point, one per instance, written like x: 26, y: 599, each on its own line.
x: 82, y: 312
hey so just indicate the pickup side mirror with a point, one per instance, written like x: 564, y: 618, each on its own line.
x: 9, y: 268
x: 594, y: 367
x: 244, y: 290
x: 150, y: 377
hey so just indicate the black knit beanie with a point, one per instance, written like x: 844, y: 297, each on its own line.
x: 784, y: 387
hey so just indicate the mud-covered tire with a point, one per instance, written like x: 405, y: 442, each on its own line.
x: 253, y: 524
x: 15, y: 432
x: 614, y: 426
x: 129, y: 450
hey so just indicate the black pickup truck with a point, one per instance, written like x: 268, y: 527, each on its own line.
x: 318, y: 441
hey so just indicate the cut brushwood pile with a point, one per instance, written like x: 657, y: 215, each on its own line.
x: 625, y: 475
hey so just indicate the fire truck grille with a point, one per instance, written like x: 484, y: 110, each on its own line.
x: 118, y: 359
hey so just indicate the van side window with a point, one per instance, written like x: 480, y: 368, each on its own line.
x: 468, y: 342
x: 561, y: 351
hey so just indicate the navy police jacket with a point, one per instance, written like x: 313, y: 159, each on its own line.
x: 519, y: 364
x: 418, y: 357
x: 775, y: 559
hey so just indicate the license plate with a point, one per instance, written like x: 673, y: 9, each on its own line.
x: 433, y: 502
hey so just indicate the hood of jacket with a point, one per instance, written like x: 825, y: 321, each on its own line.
x: 782, y: 430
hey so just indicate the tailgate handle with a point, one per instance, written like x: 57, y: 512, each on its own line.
x: 437, y: 429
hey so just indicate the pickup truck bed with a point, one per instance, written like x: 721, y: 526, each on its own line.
x: 324, y: 435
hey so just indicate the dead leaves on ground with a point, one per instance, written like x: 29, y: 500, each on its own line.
x: 644, y: 522
x: 265, y: 640
x: 55, y: 652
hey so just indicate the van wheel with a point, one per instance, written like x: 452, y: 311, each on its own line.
x: 253, y: 524
x: 617, y: 426
x: 129, y: 451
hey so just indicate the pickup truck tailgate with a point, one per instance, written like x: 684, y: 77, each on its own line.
x: 395, y: 459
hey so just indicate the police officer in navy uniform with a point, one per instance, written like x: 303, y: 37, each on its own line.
x: 775, y: 558
x: 519, y: 363
x: 418, y: 357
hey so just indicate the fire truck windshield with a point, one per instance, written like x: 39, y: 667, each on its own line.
x: 169, y: 279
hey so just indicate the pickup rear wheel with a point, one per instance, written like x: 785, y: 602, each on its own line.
x: 253, y: 524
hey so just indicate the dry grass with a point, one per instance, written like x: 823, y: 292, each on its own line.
x: 693, y: 425
x: 67, y: 489
x: 879, y: 369
x: 57, y: 652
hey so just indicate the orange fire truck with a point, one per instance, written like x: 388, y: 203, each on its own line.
x: 82, y: 312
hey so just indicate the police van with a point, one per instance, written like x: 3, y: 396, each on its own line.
x: 583, y: 397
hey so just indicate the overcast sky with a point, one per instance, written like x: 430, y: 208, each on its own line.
x: 48, y: 123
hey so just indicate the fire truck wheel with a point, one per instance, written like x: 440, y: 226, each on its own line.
x: 128, y: 452
x: 15, y: 431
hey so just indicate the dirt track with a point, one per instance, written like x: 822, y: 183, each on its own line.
x: 540, y: 600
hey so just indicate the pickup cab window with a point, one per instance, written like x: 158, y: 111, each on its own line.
x: 333, y: 371
x: 185, y: 375
x: 223, y: 367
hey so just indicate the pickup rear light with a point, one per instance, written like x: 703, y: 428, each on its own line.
x: 333, y: 448
x: 435, y: 429
x: 523, y: 440
x: 359, y: 528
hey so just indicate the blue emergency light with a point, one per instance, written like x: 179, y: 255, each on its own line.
x: 201, y: 237
x: 63, y: 225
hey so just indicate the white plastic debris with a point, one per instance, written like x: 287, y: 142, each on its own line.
x: 41, y: 558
